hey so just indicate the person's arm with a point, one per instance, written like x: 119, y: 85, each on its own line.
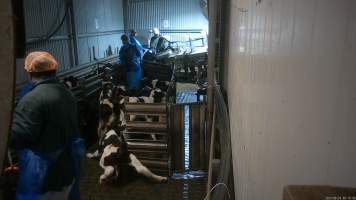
x: 151, y: 42
x: 137, y: 52
x: 137, y: 42
x: 26, y: 125
x: 132, y: 40
x: 121, y: 56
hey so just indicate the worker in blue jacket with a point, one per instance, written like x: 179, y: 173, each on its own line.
x: 134, y: 40
x: 130, y: 57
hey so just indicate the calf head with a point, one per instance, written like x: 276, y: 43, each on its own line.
x: 106, y: 92
x: 111, y: 115
x: 163, y: 85
x: 70, y: 82
x: 145, y: 91
x: 106, y: 76
x: 120, y: 91
x: 106, y: 110
x: 115, y: 145
x: 157, y: 95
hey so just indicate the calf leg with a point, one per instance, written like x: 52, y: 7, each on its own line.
x: 99, y: 131
x: 108, y: 171
x: 149, y: 119
x: 132, y: 118
x: 153, y: 136
x: 142, y: 170
x: 162, y: 119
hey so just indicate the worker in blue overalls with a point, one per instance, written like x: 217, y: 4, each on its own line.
x: 134, y: 40
x: 130, y: 58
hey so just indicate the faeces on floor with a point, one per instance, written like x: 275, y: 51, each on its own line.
x: 138, y: 188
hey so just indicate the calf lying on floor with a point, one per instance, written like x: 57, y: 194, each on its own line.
x: 115, y: 157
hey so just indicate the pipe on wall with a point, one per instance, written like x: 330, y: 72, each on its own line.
x: 74, y: 35
x: 211, y: 71
x: 7, y: 73
x: 211, y: 61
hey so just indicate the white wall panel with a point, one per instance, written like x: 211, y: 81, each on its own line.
x: 292, y: 94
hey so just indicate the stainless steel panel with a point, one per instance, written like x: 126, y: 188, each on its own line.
x: 291, y: 93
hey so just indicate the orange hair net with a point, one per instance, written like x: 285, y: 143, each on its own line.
x: 40, y: 61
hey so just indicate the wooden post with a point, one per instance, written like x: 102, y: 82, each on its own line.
x: 7, y: 73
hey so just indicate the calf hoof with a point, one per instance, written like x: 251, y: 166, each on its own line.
x: 164, y: 180
x: 101, y: 180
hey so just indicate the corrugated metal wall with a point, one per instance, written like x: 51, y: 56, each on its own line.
x: 180, y: 19
x: 292, y: 94
x: 41, y: 17
x: 99, y: 24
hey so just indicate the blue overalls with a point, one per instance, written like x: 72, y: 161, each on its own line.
x: 137, y: 43
x: 130, y: 58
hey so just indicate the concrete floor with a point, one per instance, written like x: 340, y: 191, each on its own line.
x: 186, y: 93
x: 137, y: 189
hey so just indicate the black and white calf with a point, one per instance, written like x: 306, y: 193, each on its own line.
x: 70, y: 82
x: 115, y: 158
x: 111, y: 114
x: 145, y: 91
x: 156, y: 96
x: 163, y: 85
x: 156, y: 83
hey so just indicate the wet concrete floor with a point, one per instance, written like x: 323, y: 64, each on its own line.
x: 138, y: 188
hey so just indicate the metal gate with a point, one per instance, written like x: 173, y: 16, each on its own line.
x: 191, y: 148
